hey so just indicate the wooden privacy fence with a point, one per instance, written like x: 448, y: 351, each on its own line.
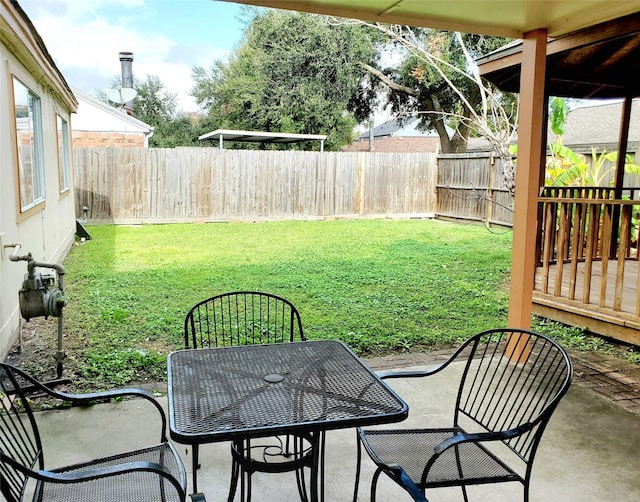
x: 471, y: 187
x: 161, y: 185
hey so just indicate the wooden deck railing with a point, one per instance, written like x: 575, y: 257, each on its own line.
x: 583, y: 233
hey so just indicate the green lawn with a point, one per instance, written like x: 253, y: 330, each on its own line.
x: 381, y: 286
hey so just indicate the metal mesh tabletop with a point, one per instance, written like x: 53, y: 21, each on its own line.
x: 257, y: 390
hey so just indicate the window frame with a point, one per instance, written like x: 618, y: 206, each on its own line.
x: 35, y: 130
x: 63, y: 139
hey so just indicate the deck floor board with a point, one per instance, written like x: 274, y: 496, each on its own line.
x: 629, y: 285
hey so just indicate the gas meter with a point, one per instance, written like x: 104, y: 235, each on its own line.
x: 41, y: 294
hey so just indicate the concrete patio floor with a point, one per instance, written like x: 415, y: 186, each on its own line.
x: 590, y: 451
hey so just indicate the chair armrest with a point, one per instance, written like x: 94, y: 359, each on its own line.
x: 111, y: 394
x: 426, y: 372
x: 92, y: 474
x: 408, y: 373
x: 432, y: 370
x: 96, y: 396
x: 103, y: 472
x: 406, y: 482
x: 89, y: 397
x: 478, y: 437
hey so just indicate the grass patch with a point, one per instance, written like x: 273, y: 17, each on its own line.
x: 577, y: 338
x: 381, y: 286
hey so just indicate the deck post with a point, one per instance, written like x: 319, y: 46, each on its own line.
x: 531, y: 157
x: 619, y: 179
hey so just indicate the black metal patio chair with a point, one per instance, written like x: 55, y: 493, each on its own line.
x: 152, y: 473
x: 240, y: 318
x: 511, y: 382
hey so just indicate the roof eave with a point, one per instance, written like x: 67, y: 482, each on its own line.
x: 19, y: 34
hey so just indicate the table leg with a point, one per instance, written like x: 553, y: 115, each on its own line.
x: 194, y: 465
x: 321, y: 457
x: 244, y: 447
x: 235, y: 472
x: 317, y: 467
x: 299, y: 452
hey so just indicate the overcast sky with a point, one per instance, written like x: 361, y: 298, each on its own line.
x: 167, y: 38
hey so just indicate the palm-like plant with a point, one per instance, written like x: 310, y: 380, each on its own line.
x: 567, y: 168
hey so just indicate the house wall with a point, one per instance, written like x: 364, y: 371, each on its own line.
x: 97, y: 124
x: 97, y: 139
x: 47, y: 229
x: 94, y: 126
x: 391, y: 144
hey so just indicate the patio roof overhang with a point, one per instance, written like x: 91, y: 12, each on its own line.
x: 502, y: 18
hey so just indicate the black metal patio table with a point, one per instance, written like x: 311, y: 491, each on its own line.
x: 303, y: 388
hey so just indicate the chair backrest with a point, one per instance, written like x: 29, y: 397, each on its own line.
x: 241, y: 318
x: 512, y: 381
x: 19, y: 437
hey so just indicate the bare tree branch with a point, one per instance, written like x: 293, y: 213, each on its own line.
x: 388, y: 82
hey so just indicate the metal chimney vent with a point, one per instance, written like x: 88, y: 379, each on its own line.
x: 126, y: 60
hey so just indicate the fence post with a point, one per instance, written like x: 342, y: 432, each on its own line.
x: 360, y: 184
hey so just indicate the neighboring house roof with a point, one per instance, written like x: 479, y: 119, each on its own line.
x: 401, y: 127
x: 599, y: 125
x: 593, y: 125
x: 408, y: 127
x: 596, y: 125
x: 95, y: 115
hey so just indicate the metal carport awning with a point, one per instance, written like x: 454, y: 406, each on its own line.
x: 261, y: 137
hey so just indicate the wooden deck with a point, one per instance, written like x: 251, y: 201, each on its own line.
x: 596, y: 311
x: 588, y: 255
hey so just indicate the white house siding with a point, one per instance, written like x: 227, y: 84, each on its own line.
x: 97, y: 124
x: 46, y: 230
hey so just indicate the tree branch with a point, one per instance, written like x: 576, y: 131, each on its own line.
x: 388, y: 82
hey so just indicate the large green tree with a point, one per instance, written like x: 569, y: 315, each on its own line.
x: 293, y: 72
x: 153, y: 104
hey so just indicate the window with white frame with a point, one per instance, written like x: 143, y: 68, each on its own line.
x: 64, y: 157
x: 28, y: 116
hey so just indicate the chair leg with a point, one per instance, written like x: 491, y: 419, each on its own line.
x: 238, y: 472
x: 302, y: 485
x: 358, y: 465
x: 374, y: 484
x: 459, y: 465
x: 248, y: 475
